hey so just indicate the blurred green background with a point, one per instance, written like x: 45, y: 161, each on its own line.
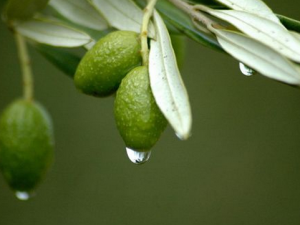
x: 241, y: 165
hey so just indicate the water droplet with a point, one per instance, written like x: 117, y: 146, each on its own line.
x: 247, y: 71
x: 23, y: 196
x: 138, y: 157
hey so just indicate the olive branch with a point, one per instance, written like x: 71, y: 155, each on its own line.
x: 247, y: 30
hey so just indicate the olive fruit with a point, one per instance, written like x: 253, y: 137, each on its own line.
x: 26, y: 144
x: 138, y: 118
x: 179, y: 46
x: 102, y: 68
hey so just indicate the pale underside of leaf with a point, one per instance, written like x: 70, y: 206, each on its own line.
x: 296, y: 35
x: 52, y: 33
x: 166, y: 82
x: 122, y: 15
x: 257, y: 7
x: 80, y: 12
x: 263, y: 30
x: 258, y: 56
x: 90, y: 45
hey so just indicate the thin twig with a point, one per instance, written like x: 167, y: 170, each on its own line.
x: 148, y: 11
x: 25, y: 66
x: 194, y: 13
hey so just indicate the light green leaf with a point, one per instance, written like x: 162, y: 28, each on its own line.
x: 256, y: 7
x: 183, y: 23
x: 122, y: 14
x: 80, y: 12
x: 166, y: 82
x: 258, y: 56
x: 263, y: 30
x: 296, y: 35
x: 52, y: 33
x: 22, y: 10
x: 90, y: 45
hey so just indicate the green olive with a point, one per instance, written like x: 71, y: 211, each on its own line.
x: 26, y: 144
x: 138, y: 118
x: 104, y: 66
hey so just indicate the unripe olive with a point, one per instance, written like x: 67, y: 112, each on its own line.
x: 138, y: 118
x: 26, y: 144
x: 179, y: 46
x: 104, y: 66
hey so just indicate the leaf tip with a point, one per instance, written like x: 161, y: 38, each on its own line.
x: 185, y: 132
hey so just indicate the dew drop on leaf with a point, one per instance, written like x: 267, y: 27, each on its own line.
x: 247, y: 71
x: 138, y: 157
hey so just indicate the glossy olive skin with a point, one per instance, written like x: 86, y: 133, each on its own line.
x: 104, y: 66
x: 26, y: 144
x: 138, y: 118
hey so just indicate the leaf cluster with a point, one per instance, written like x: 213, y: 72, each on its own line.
x: 248, y: 30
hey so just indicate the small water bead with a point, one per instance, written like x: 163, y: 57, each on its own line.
x: 138, y: 157
x: 247, y: 71
x: 23, y: 196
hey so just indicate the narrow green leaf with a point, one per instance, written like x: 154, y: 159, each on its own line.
x: 290, y: 23
x: 263, y: 30
x: 63, y: 59
x: 80, y: 12
x: 256, y: 7
x: 172, y: 29
x: 210, y: 3
x: 52, y: 33
x: 166, y: 82
x: 94, y: 34
x: 258, y: 56
x: 122, y: 14
x: 296, y: 35
x: 22, y: 9
x: 183, y: 23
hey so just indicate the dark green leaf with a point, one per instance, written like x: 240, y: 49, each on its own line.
x: 63, y: 59
x: 22, y: 9
x: 289, y: 23
x: 210, y: 3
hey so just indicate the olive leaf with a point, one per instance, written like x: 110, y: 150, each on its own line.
x: 271, y: 34
x: 256, y: 7
x: 63, y: 59
x: 52, y: 33
x: 290, y: 23
x: 166, y: 82
x: 90, y: 45
x: 296, y: 35
x: 22, y: 10
x: 183, y: 23
x: 258, y: 56
x: 80, y: 12
x: 122, y: 14
x: 210, y: 3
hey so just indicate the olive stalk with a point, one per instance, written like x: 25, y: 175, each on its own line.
x: 25, y: 67
x: 148, y: 11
